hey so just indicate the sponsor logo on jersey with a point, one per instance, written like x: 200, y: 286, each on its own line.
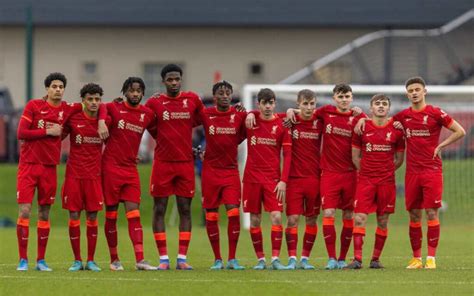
x: 417, y: 133
x: 253, y: 140
x: 222, y: 130
x: 121, y: 124
x: 166, y: 115
x: 129, y: 126
x: 369, y: 147
x: 212, y: 130
x: 78, y: 139
x: 296, y: 134
x: 41, y: 123
x: 338, y: 131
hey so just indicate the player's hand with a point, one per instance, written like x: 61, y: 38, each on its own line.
x: 287, y: 122
x: 398, y: 125
x: 356, y: 111
x: 437, y: 152
x: 360, y: 126
x: 239, y: 107
x: 138, y: 159
x: 250, y: 121
x: 118, y: 100
x: 103, y: 130
x: 291, y: 115
x: 280, y: 189
x: 54, y: 130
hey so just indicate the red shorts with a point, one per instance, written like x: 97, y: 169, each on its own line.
x: 33, y: 175
x: 220, y: 186
x: 257, y: 193
x: 373, y: 197
x: 168, y: 178
x: 302, y: 196
x: 423, y: 191
x: 338, y: 189
x: 82, y: 194
x: 120, y: 184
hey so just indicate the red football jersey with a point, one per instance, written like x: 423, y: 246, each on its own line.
x: 224, y: 132
x: 85, y: 155
x: 422, y: 130
x: 336, y: 152
x: 378, y: 145
x: 40, y: 148
x: 175, y: 120
x: 126, y: 129
x: 264, y: 143
x: 306, y: 138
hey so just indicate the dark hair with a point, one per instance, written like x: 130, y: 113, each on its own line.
x: 413, y: 80
x: 91, y: 88
x: 220, y: 84
x: 380, y: 97
x: 265, y: 94
x: 55, y: 76
x: 342, y: 88
x: 306, y: 94
x: 130, y: 81
x: 171, y: 68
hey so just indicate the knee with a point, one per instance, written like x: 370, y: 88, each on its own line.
x: 329, y: 213
x: 359, y: 220
x: 432, y: 214
x: 292, y: 221
x: 276, y: 218
x: 74, y: 215
x: 24, y: 212
x: 347, y: 215
x: 254, y: 221
x: 415, y: 216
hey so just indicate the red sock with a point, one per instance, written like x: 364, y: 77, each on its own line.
x: 291, y: 234
x: 110, y: 229
x: 233, y: 230
x: 359, y: 234
x: 416, y: 237
x: 22, y: 233
x: 433, y: 237
x: 346, y: 237
x: 43, y: 235
x: 92, y: 226
x: 308, y: 240
x: 184, y: 239
x: 329, y: 232
x: 276, y: 237
x: 212, y: 228
x: 380, y: 237
x: 160, y: 240
x: 257, y: 241
x: 135, y: 232
x: 75, y: 238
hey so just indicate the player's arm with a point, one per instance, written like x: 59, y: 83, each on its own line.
x: 102, y: 125
x: 152, y: 127
x: 399, y: 158
x: 356, y: 157
x: 457, y: 133
x: 66, y: 131
x: 198, y: 112
x: 286, y: 147
x: 399, y: 150
x: 25, y: 132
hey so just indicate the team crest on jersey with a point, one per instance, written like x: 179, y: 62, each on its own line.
x: 425, y: 119
x: 315, y: 124
x: 41, y: 123
x: 253, y: 140
x: 185, y: 103
x: 121, y: 124
x: 166, y: 115
x: 296, y: 134
x: 328, y: 129
x: 274, y: 129
x: 142, y: 117
x: 212, y: 130
x: 78, y: 139
x: 60, y: 115
x: 351, y: 118
x: 368, y: 147
x: 232, y: 118
x: 388, y: 136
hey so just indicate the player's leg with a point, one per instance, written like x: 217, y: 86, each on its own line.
x: 233, y: 233
x: 413, y: 204
x: 276, y: 237
x: 257, y: 239
x: 359, y: 235
x: 185, y: 225
x: 91, y: 233
x: 160, y: 205
x: 22, y: 232
x: 291, y: 236
x: 43, y: 235
x: 433, y: 236
x: 110, y: 230
x: 135, y: 231
x: 75, y: 239
x: 309, y: 237
x: 329, y: 232
x: 347, y: 205
x: 380, y: 237
x: 212, y: 229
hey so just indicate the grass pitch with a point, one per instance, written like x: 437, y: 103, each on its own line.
x: 454, y: 275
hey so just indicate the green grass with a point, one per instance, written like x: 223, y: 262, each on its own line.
x: 454, y: 274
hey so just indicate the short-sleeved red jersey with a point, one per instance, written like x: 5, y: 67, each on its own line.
x: 264, y: 143
x: 127, y: 126
x: 378, y: 145
x: 224, y: 132
x: 176, y: 117
x: 336, y: 152
x: 422, y: 130
x: 306, y: 138
x: 40, y: 114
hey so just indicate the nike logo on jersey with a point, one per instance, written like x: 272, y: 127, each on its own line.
x: 371, y: 134
x: 121, y: 111
x: 44, y: 112
x: 167, y: 102
x: 330, y: 115
x: 407, y: 119
x: 80, y: 125
x: 212, y: 117
x: 437, y: 201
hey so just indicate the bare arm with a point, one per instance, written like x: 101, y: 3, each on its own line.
x: 356, y: 156
x: 457, y: 133
x: 399, y: 157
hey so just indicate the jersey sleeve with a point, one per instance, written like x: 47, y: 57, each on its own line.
x: 28, y: 112
x: 199, y: 112
x: 442, y: 117
x: 398, y: 117
x: 152, y: 126
x: 103, y: 112
x: 24, y: 131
